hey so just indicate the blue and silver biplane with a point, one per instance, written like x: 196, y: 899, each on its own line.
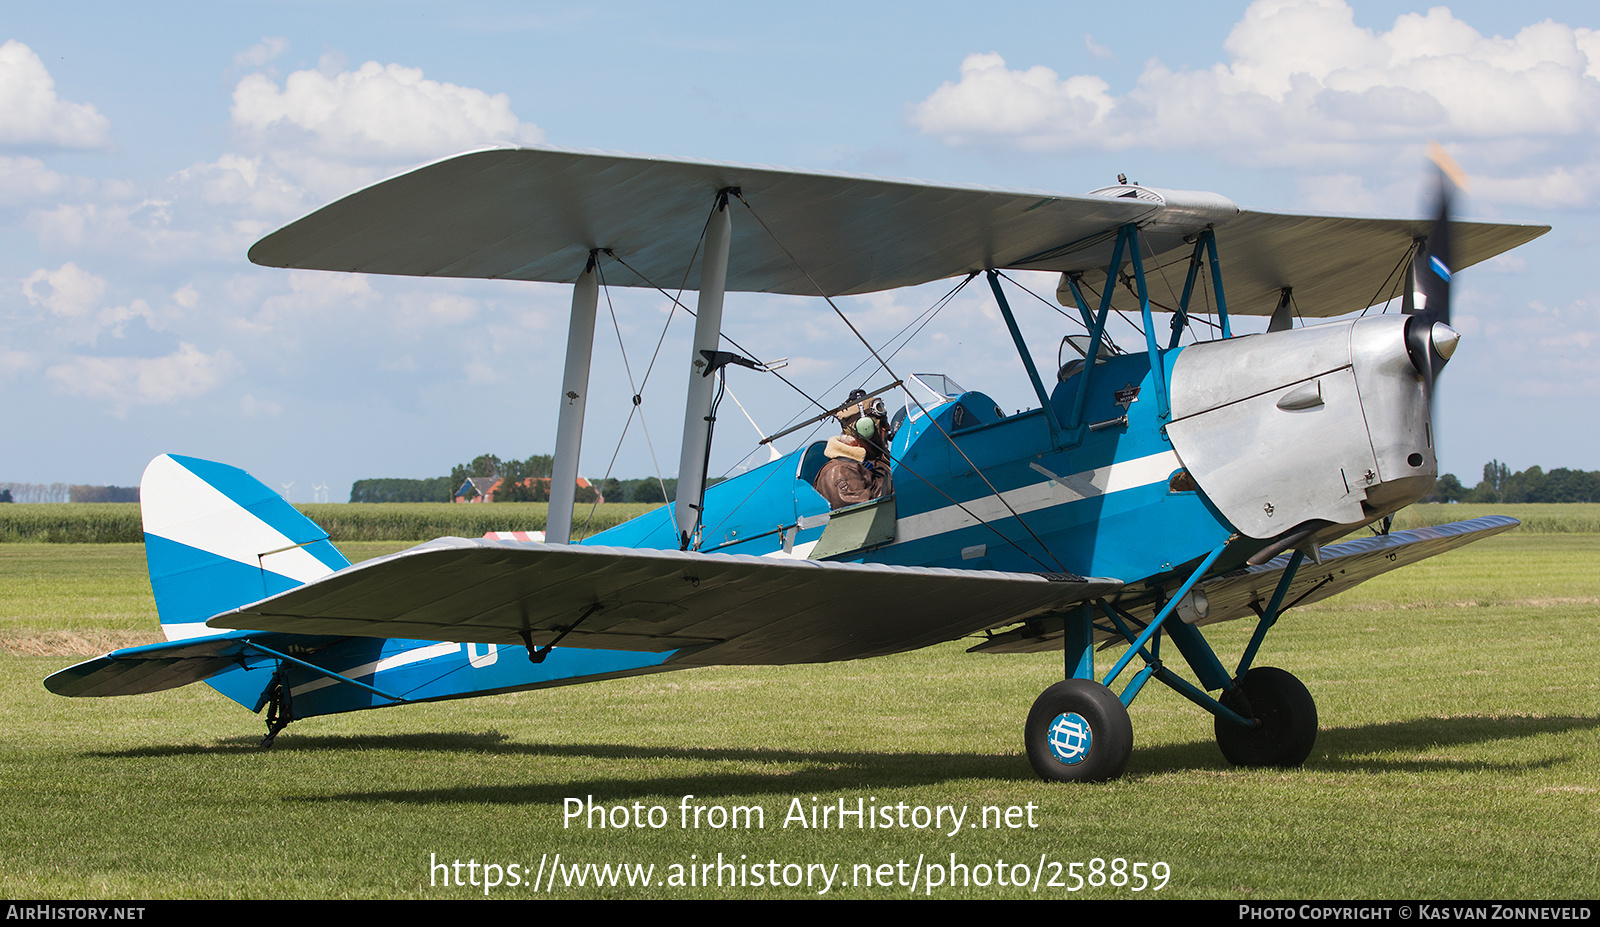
x: 1151, y: 493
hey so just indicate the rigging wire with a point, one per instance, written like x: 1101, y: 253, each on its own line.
x: 1404, y: 258
x: 636, y: 409
x: 1105, y: 337
x: 676, y: 303
x: 1096, y: 294
x: 723, y: 335
x: 638, y: 393
x: 934, y: 421
x: 1162, y: 271
x: 925, y: 317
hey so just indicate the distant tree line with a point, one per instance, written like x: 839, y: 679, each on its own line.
x: 521, y: 481
x: 1499, y: 484
x: 38, y: 492
x: 103, y: 494
x: 63, y: 492
x: 437, y: 489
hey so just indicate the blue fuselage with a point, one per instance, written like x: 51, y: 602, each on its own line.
x: 977, y: 489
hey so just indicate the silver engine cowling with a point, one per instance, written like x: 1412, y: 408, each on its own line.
x: 1329, y: 423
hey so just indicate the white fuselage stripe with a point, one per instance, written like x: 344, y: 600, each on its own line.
x: 405, y: 658
x: 1050, y: 492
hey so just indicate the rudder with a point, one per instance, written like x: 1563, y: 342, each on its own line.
x: 217, y: 538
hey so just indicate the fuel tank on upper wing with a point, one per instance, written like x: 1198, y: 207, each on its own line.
x: 1326, y: 423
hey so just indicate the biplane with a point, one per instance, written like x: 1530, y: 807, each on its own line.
x: 1149, y: 494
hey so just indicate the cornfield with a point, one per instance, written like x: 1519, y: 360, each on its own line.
x: 118, y: 522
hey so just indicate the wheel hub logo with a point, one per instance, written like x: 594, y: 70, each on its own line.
x: 1070, y: 738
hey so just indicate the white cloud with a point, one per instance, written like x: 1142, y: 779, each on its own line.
x: 419, y: 311
x: 32, y: 114
x: 13, y: 363
x: 1034, y: 107
x: 1303, y: 86
x: 262, y: 52
x: 69, y: 290
x: 75, y: 313
x: 24, y: 179
x: 315, y: 299
x: 376, y: 112
x: 163, y: 226
x: 210, y: 211
x: 1506, y: 264
x: 1553, y: 187
x: 128, y: 381
x: 1550, y: 346
x: 315, y: 136
x: 237, y: 180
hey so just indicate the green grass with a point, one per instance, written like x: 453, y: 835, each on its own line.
x: 1459, y: 756
x: 1565, y: 518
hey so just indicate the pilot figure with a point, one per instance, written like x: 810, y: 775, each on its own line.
x: 858, y: 458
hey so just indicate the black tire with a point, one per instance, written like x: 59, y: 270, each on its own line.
x: 1288, y: 715
x: 1079, y: 731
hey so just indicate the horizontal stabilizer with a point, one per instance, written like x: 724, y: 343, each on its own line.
x: 714, y: 608
x: 154, y: 667
x: 1232, y: 594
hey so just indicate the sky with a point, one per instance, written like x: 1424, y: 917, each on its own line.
x: 145, y: 147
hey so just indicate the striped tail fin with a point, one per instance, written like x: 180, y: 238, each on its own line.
x: 217, y: 538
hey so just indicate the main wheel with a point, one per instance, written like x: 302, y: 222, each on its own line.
x: 1288, y: 715
x: 1079, y: 731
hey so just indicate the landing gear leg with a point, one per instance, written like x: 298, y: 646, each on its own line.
x: 1286, y: 715
x: 280, y: 711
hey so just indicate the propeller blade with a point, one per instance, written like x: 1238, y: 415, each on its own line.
x: 1429, y: 338
x: 1437, y: 269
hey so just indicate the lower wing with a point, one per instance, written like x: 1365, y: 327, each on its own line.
x: 1243, y: 592
x: 710, y: 608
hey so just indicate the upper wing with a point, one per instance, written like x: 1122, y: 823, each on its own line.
x: 1239, y: 593
x: 535, y: 214
x: 1333, y: 264
x: 713, y: 608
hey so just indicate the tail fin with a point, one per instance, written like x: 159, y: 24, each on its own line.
x: 217, y: 538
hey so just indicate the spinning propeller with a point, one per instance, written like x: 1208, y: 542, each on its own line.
x: 1429, y: 338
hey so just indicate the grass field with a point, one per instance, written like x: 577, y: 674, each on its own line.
x: 1459, y: 757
